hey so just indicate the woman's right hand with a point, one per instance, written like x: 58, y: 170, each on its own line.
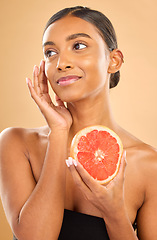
x: 56, y: 116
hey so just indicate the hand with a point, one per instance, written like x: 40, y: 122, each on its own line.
x: 108, y: 199
x: 56, y: 116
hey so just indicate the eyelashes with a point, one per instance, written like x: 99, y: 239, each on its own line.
x: 78, y: 46
x: 50, y: 53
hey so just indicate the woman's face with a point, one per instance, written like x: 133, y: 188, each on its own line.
x: 76, y: 59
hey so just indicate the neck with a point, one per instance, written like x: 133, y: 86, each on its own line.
x: 92, y: 111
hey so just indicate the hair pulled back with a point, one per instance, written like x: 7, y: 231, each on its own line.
x: 101, y: 22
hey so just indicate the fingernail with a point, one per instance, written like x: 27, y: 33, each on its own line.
x: 75, y: 162
x: 41, y: 62
x: 70, y: 161
x: 125, y: 156
x: 67, y: 163
x: 27, y: 80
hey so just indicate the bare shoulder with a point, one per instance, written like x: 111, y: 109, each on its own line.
x: 138, y: 152
x: 144, y: 157
x: 147, y: 164
x: 18, y: 137
x: 11, y: 140
x: 142, y: 168
x: 20, y: 144
x: 142, y: 162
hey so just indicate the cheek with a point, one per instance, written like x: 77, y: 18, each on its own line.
x: 88, y: 64
x: 102, y: 65
x: 96, y: 65
x: 50, y: 73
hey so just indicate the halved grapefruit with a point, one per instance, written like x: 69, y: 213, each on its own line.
x: 99, y: 150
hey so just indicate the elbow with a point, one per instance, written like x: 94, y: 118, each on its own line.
x: 33, y: 233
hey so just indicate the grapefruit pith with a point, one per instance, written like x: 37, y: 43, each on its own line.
x: 99, y: 150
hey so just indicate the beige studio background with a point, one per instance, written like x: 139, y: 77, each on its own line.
x: 134, y: 100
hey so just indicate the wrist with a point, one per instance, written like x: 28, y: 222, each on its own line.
x: 57, y: 132
x: 116, y: 216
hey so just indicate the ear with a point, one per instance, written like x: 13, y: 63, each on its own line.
x: 116, y: 60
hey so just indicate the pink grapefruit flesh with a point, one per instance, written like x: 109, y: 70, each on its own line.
x: 99, y: 150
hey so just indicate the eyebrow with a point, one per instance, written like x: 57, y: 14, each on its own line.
x: 71, y: 37
x: 76, y: 35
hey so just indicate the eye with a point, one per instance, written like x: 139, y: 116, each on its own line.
x: 49, y: 53
x: 79, y: 46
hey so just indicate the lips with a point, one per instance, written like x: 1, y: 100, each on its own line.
x: 64, y: 81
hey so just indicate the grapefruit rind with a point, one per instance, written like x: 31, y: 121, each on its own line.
x: 83, y: 132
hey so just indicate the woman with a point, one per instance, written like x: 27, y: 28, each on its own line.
x: 45, y: 197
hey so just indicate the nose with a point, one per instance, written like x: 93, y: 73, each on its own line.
x: 64, y: 63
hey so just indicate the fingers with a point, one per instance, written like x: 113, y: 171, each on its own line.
x: 39, y: 88
x: 78, y: 171
x: 32, y: 90
x: 80, y: 175
x: 72, y: 165
x: 39, y: 79
x: 59, y: 101
x: 42, y: 79
x: 35, y: 80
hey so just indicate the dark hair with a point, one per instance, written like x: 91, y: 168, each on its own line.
x: 101, y: 22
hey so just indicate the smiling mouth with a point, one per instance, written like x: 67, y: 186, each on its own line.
x: 64, y: 81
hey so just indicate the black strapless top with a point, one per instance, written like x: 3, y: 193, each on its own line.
x: 80, y: 226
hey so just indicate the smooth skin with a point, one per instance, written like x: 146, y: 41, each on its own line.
x: 37, y: 184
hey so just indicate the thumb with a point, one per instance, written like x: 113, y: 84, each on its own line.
x: 122, y: 168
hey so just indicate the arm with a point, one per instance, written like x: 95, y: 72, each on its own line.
x: 108, y: 199
x: 34, y: 211
x: 31, y: 207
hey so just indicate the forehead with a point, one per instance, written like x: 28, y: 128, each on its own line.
x: 70, y: 25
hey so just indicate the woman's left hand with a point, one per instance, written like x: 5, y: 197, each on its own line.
x: 109, y: 199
